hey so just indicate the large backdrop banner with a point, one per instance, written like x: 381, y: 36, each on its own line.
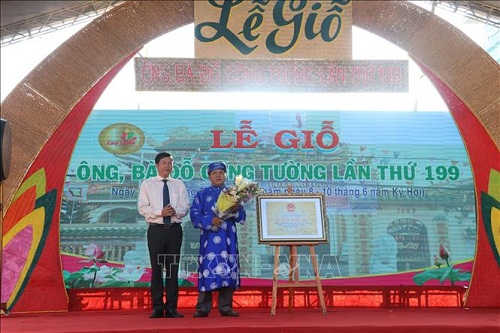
x: 398, y: 190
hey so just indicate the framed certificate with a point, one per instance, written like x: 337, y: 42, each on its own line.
x: 291, y: 218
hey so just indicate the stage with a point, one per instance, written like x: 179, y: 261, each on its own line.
x: 407, y: 320
x: 348, y: 309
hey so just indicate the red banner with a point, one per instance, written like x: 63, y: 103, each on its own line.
x: 170, y: 74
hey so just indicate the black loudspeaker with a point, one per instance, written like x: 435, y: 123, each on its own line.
x: 6, y: 146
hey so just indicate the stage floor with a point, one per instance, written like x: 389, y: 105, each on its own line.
x: 407, y: 320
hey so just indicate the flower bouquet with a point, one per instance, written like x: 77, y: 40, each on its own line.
x: 241, y: 192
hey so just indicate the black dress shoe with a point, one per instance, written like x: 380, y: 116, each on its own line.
x: 230, y: 313
x: 173, y: 314
x: 199, y: 314
x: 156, y: 314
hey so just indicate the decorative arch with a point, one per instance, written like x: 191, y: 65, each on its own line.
x: 413, y: 247
x: 69, y: 81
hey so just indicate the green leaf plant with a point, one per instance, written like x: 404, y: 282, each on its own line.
x: 442, y: 273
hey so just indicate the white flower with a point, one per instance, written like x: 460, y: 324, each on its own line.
x: 241, y: 183
x: 104, y: 274
x: 130, y: 273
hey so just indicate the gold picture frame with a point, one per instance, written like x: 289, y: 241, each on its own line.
x: 291, y: 218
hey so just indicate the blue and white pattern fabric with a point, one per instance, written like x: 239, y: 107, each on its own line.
x: 218, y: 258
x: 216, y: 166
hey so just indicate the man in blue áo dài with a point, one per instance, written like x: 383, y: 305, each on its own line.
x: 219, y: 268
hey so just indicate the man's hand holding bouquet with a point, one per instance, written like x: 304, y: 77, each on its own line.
x: 230, y: 198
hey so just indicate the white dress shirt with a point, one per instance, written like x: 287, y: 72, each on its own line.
x: 150, y: 202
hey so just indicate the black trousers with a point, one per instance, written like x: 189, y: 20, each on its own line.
x: 164, y: 245
x: 225, y: 300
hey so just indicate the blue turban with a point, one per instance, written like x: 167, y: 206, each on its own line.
x: 216, y: 166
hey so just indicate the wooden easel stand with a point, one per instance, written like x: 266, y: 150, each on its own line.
x: 293, y: 277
